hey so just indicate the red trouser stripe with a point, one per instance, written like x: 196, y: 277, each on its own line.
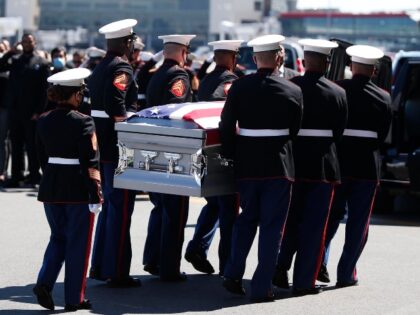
x: 87, y: 256
x: 322, y: 245
x: 120, y: 260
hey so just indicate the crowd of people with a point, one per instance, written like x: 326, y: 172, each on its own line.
x: 304, y: 149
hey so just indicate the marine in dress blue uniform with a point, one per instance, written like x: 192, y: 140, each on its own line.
x: 369, y: 118
x: 113, y: 98
x: 165, y: 234
x: 219, y: 210
x: 70, y: 186
x: 268, y: 111
x: 317, y: 170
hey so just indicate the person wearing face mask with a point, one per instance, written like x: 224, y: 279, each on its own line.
x: 70, y: 189
x: 28, y: 72
x: 165, y: 234
x: 113, y: 98
x: 58, y: 60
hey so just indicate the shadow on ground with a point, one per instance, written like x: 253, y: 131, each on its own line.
x: 201, y: 293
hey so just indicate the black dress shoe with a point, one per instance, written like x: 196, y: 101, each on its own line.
x: 199, y: 263
x: 43, y: 295
x: 84, y: 305
x: 128, y: 282
x: 94, y: 273
x: 234, y: 286
x: 12, y: 183
x: 342, y: 284
x: 308, y: 291
x: 281, y: 279
x: 181, y: 277
x: 263, y: 299
x: 152, y: 269
x: 323, y: 275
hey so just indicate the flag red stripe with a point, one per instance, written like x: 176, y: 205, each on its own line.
x: 201, y: 113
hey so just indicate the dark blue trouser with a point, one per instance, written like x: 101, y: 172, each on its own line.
x: 219, y: 210
x: 264, y: 202
x: 359, y: 197
x: 71, y: 233
x: 119, y: 205
x: 305, y: 231
x: 165, y: 237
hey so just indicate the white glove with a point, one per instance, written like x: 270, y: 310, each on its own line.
x: 210, y: 58
x: 95, y: 208
x: 158, y: 56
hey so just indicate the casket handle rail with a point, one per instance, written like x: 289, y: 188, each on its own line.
x: 198, y: 166
x: 148, y: 159
x: 124, y: 160
x: 173, y: 162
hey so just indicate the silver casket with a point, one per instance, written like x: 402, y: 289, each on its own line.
x: 171, y: 156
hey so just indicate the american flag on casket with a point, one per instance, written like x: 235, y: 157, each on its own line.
x: 204, y: 114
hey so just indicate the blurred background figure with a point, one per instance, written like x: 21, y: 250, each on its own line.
x: 77, y: 59
x: 4, y: 123
x: 94, y: 57
x: 26, y: 100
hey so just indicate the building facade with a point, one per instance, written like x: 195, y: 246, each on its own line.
x: 393, y: 31
x: 27, y: 10
x: 156, y: 17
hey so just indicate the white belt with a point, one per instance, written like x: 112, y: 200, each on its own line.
x: 315, y: 133
x: 263, y: 132
x: 141, y: 96
x: 63, y: 161
x: 360, y: 133
x: 99, y: 114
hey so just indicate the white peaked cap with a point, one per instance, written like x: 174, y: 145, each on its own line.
x: 364, y: 54
x: 138, y: 44
x: 177, y: 39
x: 321, y: 46
x: 266, y: 43
x: 94, y: 52
x: 72, y: 77
x: 146, y: 55
x: 232, y: 45
x: 118, y: 29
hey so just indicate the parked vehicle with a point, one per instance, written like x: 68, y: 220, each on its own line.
x: 293, y: 57
x: 400, y: 182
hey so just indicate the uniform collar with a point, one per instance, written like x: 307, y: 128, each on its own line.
x: 169, y: 61
x: 66, y: 106
x: 361, y: 78
x: 313, y: 74
x: 222, y: 68
x: 266, y: 71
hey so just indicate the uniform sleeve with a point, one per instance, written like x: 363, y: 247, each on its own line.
x: 227, y: 125
x: 386, y: 120
x: 40, y: 149
x: 116, y: 89
x: 340, y: 121
x: 89, y: 161
x: 201, y: 73
x: 178, y: 89
x: 297, y: 114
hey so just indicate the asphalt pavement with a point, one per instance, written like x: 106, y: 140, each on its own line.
x: 389, y: 271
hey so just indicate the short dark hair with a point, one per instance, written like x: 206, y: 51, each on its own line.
x: 59, y: 93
